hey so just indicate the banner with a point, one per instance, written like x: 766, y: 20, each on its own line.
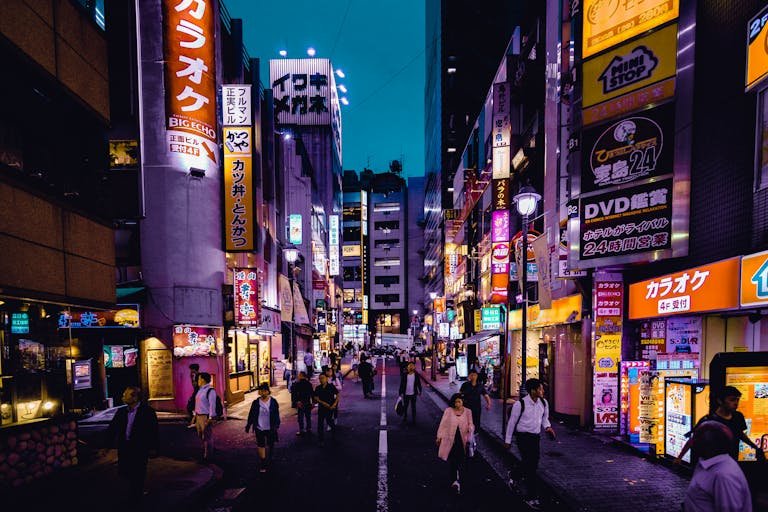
x: 286, y: 299
x: 300, y: 309
x: 608, y: 306
x: 247, y: 297
x: 239, y: 215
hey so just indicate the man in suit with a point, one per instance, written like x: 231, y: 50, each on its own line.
x: 133, y: 431
x: 410, y: 386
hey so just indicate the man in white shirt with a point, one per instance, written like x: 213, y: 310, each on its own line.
x: 529, y: 416
x: 410, y: 386
x: 205, y: 412
x: 718, y: 484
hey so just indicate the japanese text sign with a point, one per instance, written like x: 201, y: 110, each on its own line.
x: 190, y: 79
x: 126, y: 316
x: 610, y: 22
x: 500, y: 226
x: 630, y: 102
x: 754, y: 279
x: 707, y: 288
x: 631, y: 66
x: 502, y: 129
x: 197, y: 341
x: 236, y: 105
x: 247, y: 297
x: 757, y: 50
x: 302, y: 90
x: 607, y: 353
x: 628, y: 221
x: 334, y: 261
x: 294, y: 229
x: 491, y: 318
x: 501, y: 194
x: 500, y: 258
x: 239, y: 221
x: 630, y: 149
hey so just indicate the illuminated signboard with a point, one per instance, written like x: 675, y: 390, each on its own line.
x: 754, y: 279
x: 20, y: 323
x: 193, y: 341
x: 190, y: 81
x: 500, y: 226
x: 247, y: 297
x: 611, y: 22
x: 334, y: 265
x: 125, y: 317
x: 294, y: 229
x: 238, y: 189
x: 757, y: 50
x: 490, y: 318
x: 351, y: 250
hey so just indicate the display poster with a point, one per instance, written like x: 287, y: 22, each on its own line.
x: 752, y: 381
x: 159, y: 374
x: 684, y: 335
x: 757, y: 50
x: 286, y: 299
x: 678, y: 419
x: 649, y: 407
x: 608, y: 316
x: 31, y: 355
x: 658, y: 380
x: 197, y: 341
x: 82, y: 374
x: 605, y: 402
x: 636, y: 147
x: 247, y: 300
x: 294, y: 229
x: 653, y: 338
x: 607, y: 353
x: 631, y: 66
x: 300, y: 315
x: 611, y: 22
x: 630, y: 397
x: 542, y: 256
x: 626, y: 221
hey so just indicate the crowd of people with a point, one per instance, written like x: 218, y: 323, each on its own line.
x: 718, y: 483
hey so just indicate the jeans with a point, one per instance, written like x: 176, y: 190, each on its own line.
x: 412, y: 400
x: 305, y: 415
x: 325, y: 416
x: 530, y: 451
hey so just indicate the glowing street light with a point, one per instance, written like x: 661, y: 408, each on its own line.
x: 283, y: 53
x: 340, y: 73
x: 311, y: 51
x: 343, y: 88
x: 344, y: 101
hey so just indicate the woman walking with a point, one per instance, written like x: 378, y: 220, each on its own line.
x: 453, y: 435
x: 264, y: 417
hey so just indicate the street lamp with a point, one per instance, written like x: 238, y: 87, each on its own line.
x: 291, y: 255
x: 526, y: 202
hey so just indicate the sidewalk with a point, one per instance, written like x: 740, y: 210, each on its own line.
x: 588, y: 472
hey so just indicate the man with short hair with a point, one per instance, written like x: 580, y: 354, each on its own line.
x: 410, y: 387
x: 205, y: 412
x: 718, y: 484
x: 327, y: 398
x: 473, y: 390
x: 529, y: 416
x: 301, y: 398
x: 194, y: 370
x: 366, y: 373
x: 133, y: 430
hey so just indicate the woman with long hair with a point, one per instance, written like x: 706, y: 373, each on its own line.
x: 453, y: 435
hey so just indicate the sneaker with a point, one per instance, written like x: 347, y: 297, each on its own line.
x: 456, y: 486
x: 533, y: 504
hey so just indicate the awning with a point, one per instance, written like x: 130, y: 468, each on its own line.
x: 481, y: 336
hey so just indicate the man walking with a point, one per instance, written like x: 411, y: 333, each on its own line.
x: 194, y: 370
x: 301, y: 399
x: 410, y: 386
x: 309, y: 362
x: 529, y: 416
x: 205, y: 412
x: 473, y: 390
x: 366, y: 372
x: 133, y: 430
x: 327, y: 398
x: 718, y: 484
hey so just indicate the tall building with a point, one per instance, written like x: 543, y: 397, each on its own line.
x: 355, y: 256
x: 415, y: 252
x: 464, y: 42
x: 308, y: 120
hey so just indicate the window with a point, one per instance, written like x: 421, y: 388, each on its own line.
x: 387, y: 280
x: 386, y: 226
x: 387, y: 298
x: 387, y: 262
x: 386, y: 207
x: 352, y: 212
x: 352, y: 273
x: 352, y: 234
x: 349, y: 295
x: 762, y: 169
x: 387, y: 243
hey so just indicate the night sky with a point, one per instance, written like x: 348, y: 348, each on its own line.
x: 380, y: 48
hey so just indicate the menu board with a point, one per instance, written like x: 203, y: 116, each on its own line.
x: 752, y: 381
x: 159, y: 374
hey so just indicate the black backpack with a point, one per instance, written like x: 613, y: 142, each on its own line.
x: 522, y: 411
x: 219, y: 405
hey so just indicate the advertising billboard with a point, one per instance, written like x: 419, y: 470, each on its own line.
x: 631, y: 66
x: 633, y: 148
x: 127, y: 316
x: 197, y: 341
x: 294, y: 229
x: 334, y: 264
x: 247, y: 297
x: 190, y: 82
x: 757, y: 49
x: 500, y: 226
x: 752, y: 381
x: 754, y: 280
x: 611, y: 22
x: 239, y: 215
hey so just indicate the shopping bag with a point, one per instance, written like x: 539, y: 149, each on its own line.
x: 471, y: 446
x: 399, y: 407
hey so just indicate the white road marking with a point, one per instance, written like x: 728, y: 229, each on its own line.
x: 382, y: 494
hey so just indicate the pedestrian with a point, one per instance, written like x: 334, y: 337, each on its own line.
x: 473, y: 390
x: 334, y: 378
x: 288, y: 375
x: 309, y: 362
x: 718, y: 484
x: 133, y: 430
x: 327, y: 398
x: 453, y: 435
x: 205, y: 413
x: 324, y: 359
x: 410, y: 388
x: 403, y: 362
x: 450, y: 362
x: 423, y: 359
x: 367, y: 372
x: 529, y: 416
x: 727, y: 403
x: 194, y: 370
x: 355, y: 364
x: 301, y: 399
x: 476, y: 366
x: 333, y: 357
x: 264, y: 417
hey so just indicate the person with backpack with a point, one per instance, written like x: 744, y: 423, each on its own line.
x: 301, y: 399
x: 529, y: 416
x: 264, y: 417
x: 366, y: 372
x: 208, y: 407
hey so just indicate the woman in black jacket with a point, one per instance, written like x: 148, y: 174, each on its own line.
x: 264, y: 417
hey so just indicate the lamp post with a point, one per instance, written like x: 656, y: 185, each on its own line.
x: 526, y: 202
x: 433, y: 370
x: 291, y: 255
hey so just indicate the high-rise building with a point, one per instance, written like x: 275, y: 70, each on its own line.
x: 415, y: 252
x: 464, y: 42
x: 355, y: 256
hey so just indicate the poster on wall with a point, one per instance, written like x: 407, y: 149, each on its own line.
x: 752, y: 381
x: 82, y: 374
x: 159, y: 374
x: 678, y: 419
x: 197, y: 341
x: 684, y: 335
x: 608, y: 310
x: 247, y: 300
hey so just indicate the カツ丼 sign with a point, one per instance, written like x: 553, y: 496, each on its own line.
x: 239, y: 225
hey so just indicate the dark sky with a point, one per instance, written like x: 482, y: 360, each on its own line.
x: 379, y: 46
